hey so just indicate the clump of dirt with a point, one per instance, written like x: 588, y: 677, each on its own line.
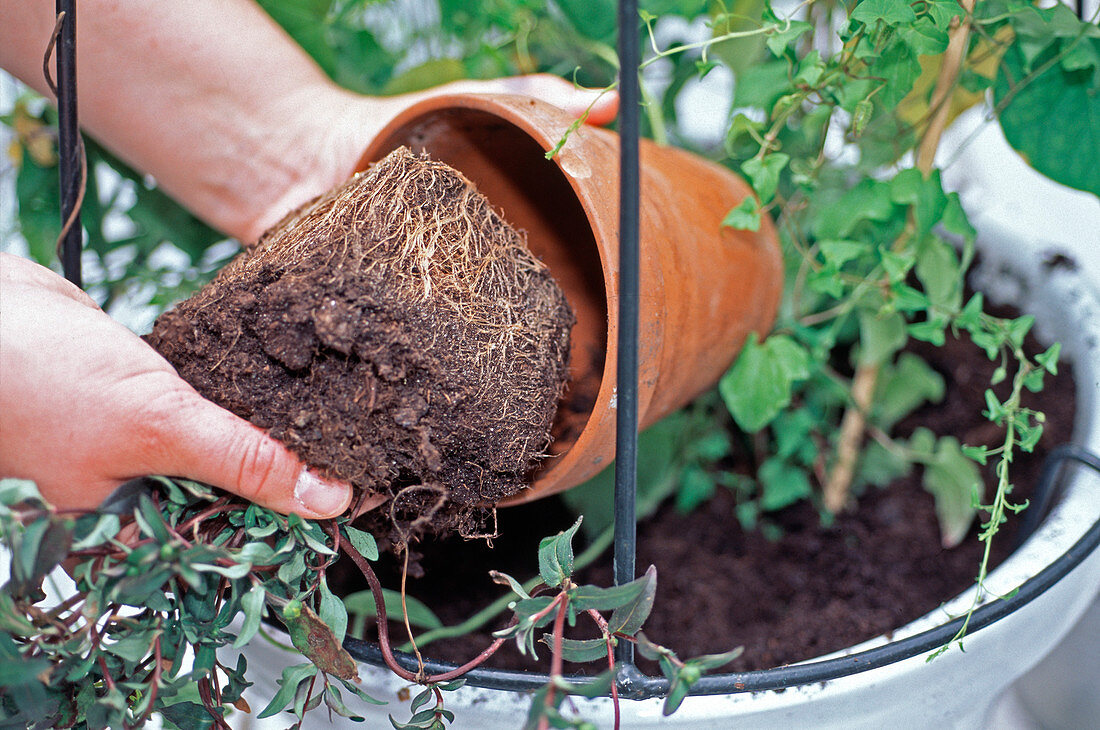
x: 396, y: 334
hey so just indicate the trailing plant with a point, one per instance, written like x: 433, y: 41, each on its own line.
x: 169, y: 575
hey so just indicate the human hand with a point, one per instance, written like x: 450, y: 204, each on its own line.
x: 85, y: 405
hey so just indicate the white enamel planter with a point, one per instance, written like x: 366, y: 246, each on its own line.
x: 958, y: 689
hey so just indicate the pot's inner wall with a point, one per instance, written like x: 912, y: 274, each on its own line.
x: 511, y: 170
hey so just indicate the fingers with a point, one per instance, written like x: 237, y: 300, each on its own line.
x: 204, y: 442
x: 18, y: 271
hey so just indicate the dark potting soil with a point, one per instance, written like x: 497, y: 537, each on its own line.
x: 397, y: 334
x: 815, y: 590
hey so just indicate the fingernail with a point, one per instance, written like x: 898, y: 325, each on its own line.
x: 320, y: 497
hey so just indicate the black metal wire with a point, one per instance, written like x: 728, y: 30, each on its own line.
x: 643, y: 687
x: 626, y: 419
x: 69, y: 147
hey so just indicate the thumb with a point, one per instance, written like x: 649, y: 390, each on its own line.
x: 207, y: 443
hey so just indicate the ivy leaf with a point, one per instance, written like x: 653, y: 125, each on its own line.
x: 924, y: 37
x: 590, y: 19
x: 556, y: 556
x: 943, y: 11
x: 867, y: 200
x: 905, y: 387
x: 1049, y: 359
x: 1053, y: 121
x: 880, y: 336
x: 779, y: 39
x: 952, y: 478
x: 764, y: 174
x: 891, y: 12
x: 745, y: 216
x: 899, y: 67
x: 783, y: 484
x: 758, y: 386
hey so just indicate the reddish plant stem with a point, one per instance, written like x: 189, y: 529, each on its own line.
x: 154, y: 681
x: 106, y: 674
x: 604, y: 628
x: 384, y: 631
x: 557, y: 661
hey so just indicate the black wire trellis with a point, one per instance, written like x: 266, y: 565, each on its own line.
x: 70, y: 148
x: 632, y: 683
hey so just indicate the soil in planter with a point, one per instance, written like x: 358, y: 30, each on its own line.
x: 815, y: 590
x: 396, y: 334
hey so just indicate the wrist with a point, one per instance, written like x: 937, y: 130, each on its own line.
x: 311, y: 148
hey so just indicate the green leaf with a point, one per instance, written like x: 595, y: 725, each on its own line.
x: 930, y: 331
x: 867, y: 200
x: 783, y: 484
x: 696, y: 486
x: 952, y: 478
x: 880, y: 336
x: 940, y: 274
x: 589, y: 597
x: 594, y: 20
x: 943, y: 11
x: 899, y: 67
x: 758, y: 386
x: 252, y: 603
x: 17, y: 491
x: 979, y: 454
x: 288, y: 687
x: 761, y: 85
x: 579, y: 650
x: 891, y: 12
x: 1053, y: 121
x: 764, y: 174
x: 363, y: 542
x: 836, y: 253
x: 745, y: 216
x: 556, y: 556
x: 362, y: 604
x: 905, y: 387
x: 332, y: 611
x: 106, y: 526
x: 778, y: 40
x: 708, y: 662
x: 1049, y: 359
x: 924, y: 37
x: 810, y: 69
x: 628, y: 618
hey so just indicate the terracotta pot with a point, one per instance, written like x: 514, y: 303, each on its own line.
x: 704, y: 287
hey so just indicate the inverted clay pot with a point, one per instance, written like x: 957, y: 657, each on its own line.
x: 704, y: 287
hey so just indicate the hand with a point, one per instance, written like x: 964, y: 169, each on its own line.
x: 85, y: 405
